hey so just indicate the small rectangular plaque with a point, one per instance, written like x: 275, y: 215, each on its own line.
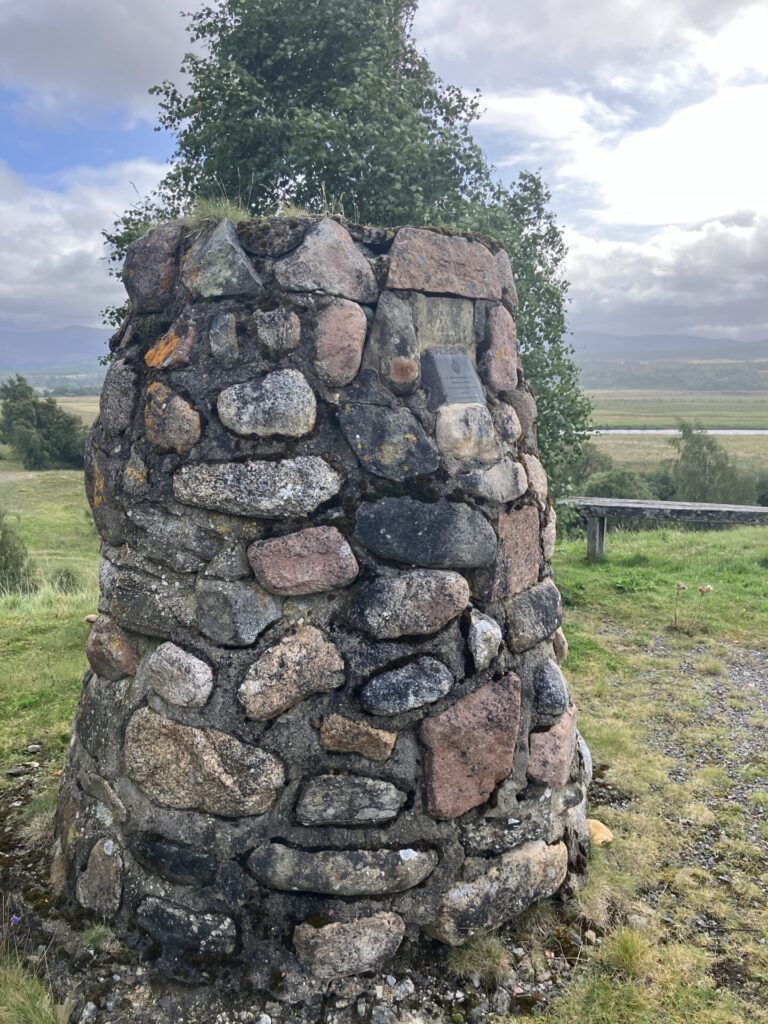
x: 450, y: 378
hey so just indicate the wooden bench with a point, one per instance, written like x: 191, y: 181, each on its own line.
x: 597, y: 511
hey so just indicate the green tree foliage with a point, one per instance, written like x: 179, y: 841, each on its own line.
x: 329, y: 102
x: 618, y: 482
x: 15, y: 567
x: 703, y: 470
x: 41, y: 434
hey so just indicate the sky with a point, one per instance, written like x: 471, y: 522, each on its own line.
x: 647, y: 119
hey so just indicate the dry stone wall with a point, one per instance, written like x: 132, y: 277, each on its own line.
x: 324, y: 709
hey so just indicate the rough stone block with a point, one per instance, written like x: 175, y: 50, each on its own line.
x: 551, y: 752
x: 307, y: 562
x: 280, y: 403
x: 339, y: 339
x: 328, y: 261
x: 345, y: 800
x: 216, y: 266
x: 407, y: 688
x: 170, y: 422
x: 343, y: 949
x: 470, y: 747
x: 205, y: 769
x: 296, y: 668
x: 413, y: 603
x: 109, y: 651
x: 150, y: 268
x: 234, y: 614
x: 533, y: 616
x: 519, y: 558
x: 429, y: 261
x: 352, y: 736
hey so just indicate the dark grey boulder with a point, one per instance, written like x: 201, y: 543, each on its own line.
x: 550, y: 690
x: 443, y: 535
x: 390, y: 443
x: 176, y: 862
x: 533, y: 616
x: 172, y: 925
x: 119, y: 395
x: 234, y: 614
x: 411, y: 686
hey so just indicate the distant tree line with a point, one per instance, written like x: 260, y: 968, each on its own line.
x: 41, y: 434
x: 675, y: 376
x: 702, y: 470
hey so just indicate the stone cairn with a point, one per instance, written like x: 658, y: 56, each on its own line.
x: 324, y: 708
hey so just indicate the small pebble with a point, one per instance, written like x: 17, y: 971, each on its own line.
x: 590, y: 937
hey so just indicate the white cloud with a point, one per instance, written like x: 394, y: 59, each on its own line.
x: 66, y: 55
x: 710, y: 279
x: 52, y: 270
x: 704, y: 161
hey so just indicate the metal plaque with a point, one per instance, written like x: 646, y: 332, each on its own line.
x: 450, y: 378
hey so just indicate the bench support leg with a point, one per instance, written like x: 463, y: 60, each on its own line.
x: 596, y: 536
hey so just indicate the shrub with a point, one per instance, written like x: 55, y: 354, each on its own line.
x: 617, y: 483
x: 15, y: 566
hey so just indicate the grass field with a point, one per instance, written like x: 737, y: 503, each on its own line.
x: 645, y: 452
x: 84, y: 406
x: 615, y: 408
x: 679, y: 745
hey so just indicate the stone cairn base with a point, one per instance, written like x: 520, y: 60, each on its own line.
x: 324, y: 708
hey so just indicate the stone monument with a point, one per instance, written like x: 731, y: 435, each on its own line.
x: 324, y: 709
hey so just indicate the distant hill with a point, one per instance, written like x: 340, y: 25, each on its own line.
x: 654, y: 347
x: 51, y: 349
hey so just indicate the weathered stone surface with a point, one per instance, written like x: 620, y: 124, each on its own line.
x: 340, y: 872
x: 100, y: 886
x: 292, y: 487
x: 443, y: 323
x: 429, y: 261
x: 171, y: 925
x: 119, y: 395
x: 470, y: 747
x: 465, y: 434
x: 109, y: 651
x: 533, y: 616
x: 222, y: 338
x: 504, y: 270
x: 294, y: 669
x: 551, y: 752
x: 328, y: 261
x: 348, y: 800
x: 278, y: 331
x: 280, y: 403
x: 184, y: 767
x: 178, y: 676
x: 524, y: 405
x: 501, y: 483
x: 549, y: 535
x: 148, y: 604
x: 499, y: 363
x: 307, y: 562
x: 388, y: 442
x: 537, y: 478
x: 177, y: 862
x: 174, y: 349
x: 351, y: 736
x: 550, y: 690
x: 530, y: 872
x: 234, y: 614
x: 411, y: 686
x: 342, y: 949
x: 560, y: 645
x: 149, y: 271
x: 173, y: 540
x: 507, y: 422
x: 231, y: 562
x: 339, y: 339
x: 484, y: 639
x: 442, y: 535
x: 519, y: 556
x: 392, y: 347
x: 170, y: 423
x: 216, y: 266
x: 449, y: 378
x: 413, y: 603
x: 587, y: 766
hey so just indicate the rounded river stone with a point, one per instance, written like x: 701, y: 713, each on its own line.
x: 406, y: 688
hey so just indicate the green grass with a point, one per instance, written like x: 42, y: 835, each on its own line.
x: 25, y: 998
x: 628, y: 408
x: 42, y: 635
x: 639, y: 686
